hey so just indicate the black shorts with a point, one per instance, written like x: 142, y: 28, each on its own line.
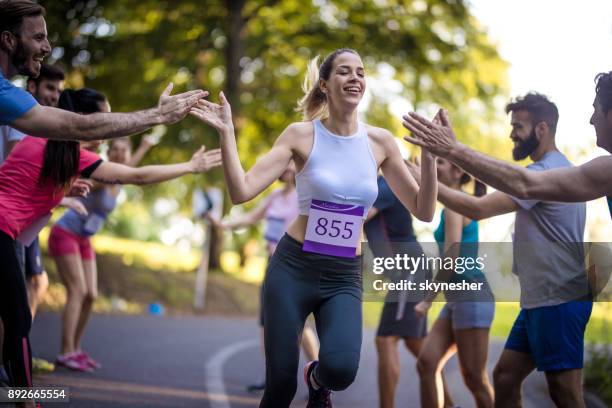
x: 409, y: 325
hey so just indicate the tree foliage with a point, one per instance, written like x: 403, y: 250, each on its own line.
x: 257, y: 51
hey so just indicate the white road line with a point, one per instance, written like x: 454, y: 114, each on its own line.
x: 214, y: 372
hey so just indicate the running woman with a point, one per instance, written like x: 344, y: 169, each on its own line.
x: 316, y: 266
x: 548, y: 251
x: 279, y: 210
x: 464, y: 322
x: 70, y: 238
x: 33, y: 180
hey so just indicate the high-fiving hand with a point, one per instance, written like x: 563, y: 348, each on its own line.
x: 219, y: 116
x: 172, y: 108
x: 437, y: 136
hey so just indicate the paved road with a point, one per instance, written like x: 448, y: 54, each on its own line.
x: 151, y: 361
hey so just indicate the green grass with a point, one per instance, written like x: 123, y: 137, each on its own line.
x: 129, y: 278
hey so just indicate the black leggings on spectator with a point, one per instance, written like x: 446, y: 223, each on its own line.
x: 298, y: 283
x: 16, y: 316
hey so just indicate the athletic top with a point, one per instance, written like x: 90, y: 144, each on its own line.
x: 393, y: 220
x: 99, y: 204
x: 8, y: 135
x: 281, y: 211
x: 22, y: 200
x: 340, y: 169
x: 547, y: 246
x: 469, y: 249
x: 14, y: 102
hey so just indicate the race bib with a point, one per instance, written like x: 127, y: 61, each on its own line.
x: 93, y: 224
x: 333, y: 229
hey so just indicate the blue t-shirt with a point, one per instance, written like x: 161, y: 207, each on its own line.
x: 14, y: 102
x: 393, y: 221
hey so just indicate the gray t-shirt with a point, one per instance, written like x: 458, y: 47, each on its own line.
x: 548, y: 246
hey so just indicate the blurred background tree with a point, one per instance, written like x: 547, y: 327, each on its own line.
x: 418, y: 53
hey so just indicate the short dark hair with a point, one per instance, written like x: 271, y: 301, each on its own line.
x: 603, y: 90
x: 12, y: 13
x: 539, y: 107
x: 61, y: 157
x: 49, y: 73
x: 84, y: 100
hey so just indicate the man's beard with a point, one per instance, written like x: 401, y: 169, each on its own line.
x: 20, y: 61
x: 525, y: 147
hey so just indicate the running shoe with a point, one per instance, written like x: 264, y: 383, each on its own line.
x: 257, y: 387
x: 73, y: 362
x: 41, y: 366
x: 320, y: 398
x: 83, y: 356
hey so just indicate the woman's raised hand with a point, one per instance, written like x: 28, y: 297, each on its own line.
x: 219, y: 116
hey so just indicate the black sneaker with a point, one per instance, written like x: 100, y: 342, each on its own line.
x: 257, y: 387
x: 320, y: 398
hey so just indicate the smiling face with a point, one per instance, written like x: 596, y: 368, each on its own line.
x: 47, y: 91
x: 346, y: 83
x: 29, y: 46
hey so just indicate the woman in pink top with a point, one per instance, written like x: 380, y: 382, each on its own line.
x: 33, y: 180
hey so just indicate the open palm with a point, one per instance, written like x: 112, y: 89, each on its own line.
x: 216, y: 115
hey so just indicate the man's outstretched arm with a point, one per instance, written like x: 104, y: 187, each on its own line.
x: 53, y: 123
x: 575, y: 184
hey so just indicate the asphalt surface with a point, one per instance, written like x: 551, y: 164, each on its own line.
x: 153, y: 361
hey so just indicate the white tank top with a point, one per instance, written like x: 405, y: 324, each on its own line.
x: 340, y: 169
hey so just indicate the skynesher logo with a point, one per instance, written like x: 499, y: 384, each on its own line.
x: 411, y: 264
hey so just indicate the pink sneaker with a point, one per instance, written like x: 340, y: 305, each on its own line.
x: 86, y: 358
x: 73, y: 362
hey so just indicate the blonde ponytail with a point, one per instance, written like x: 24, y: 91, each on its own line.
x: 313, y: 105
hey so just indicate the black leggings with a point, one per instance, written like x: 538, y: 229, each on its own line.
x: 16, y: 316
x: 298, y: 283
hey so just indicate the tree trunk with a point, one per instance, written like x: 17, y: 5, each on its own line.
x: 234, y: 52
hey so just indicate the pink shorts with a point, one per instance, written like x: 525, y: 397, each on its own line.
x: 62, y: 242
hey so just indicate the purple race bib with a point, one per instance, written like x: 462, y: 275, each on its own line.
x: 333, y: 229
